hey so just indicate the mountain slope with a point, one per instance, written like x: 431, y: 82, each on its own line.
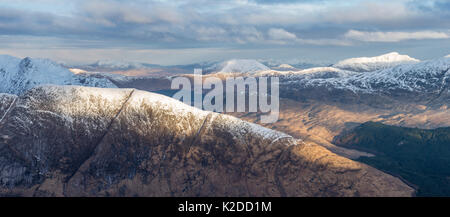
x: 419, y: 156
x: 368, y: 64
x: 18, y: 75
x: 79, y: 141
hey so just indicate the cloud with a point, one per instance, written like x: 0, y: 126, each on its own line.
x: 394, y: 36
x: 122, y: 12
x: 246, y: 24
x: 287, y: 1
x: 206, y: 23
x: 281, y: 34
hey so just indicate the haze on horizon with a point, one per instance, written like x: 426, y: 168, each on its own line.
x: 182, y: 32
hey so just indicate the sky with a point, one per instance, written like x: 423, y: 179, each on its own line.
x: 170, y: 32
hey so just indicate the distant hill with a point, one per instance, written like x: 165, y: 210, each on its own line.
x: 241, y: 66
x: 368, y: 64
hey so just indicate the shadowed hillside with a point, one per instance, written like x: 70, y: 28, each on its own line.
x: 421, y: 157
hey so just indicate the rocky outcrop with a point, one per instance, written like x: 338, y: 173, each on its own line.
x: 79, y: 141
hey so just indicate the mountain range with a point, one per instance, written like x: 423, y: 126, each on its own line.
x: 422, y: 81
x: 126, y: 142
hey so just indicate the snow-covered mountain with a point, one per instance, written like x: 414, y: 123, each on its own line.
x: 367, y: 64
x: 311, y: 73
x: 340, y: 69
x: 284, y: 67
x: 427, y: 76
x: 431, y: 76
x: 111, y: 65
x: 246, y: 66
x: 18, y: 75
x: 80, y: 141
x: 297, y: 63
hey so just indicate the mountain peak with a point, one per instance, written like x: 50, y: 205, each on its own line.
x: 26, y: 63
x: 19, y: 75
x: 242, y: 66
x: 286, y: 66
x: 393, y: 57
x: 366, y: 64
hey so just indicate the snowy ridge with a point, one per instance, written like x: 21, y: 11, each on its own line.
x: 112, y: 65
x: 240, y: 129
x: 177, y: 109
x: 117, y: 64
x: 367, y: 64
x: 428, y: 76
x: 286, y: 66
x: 112, y: 76
x: 96, y: 99
x: 241, y: 66
x: 65, y: 100
x: 321, y: 71
x: 312, y: 73
x: 18, y: 75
